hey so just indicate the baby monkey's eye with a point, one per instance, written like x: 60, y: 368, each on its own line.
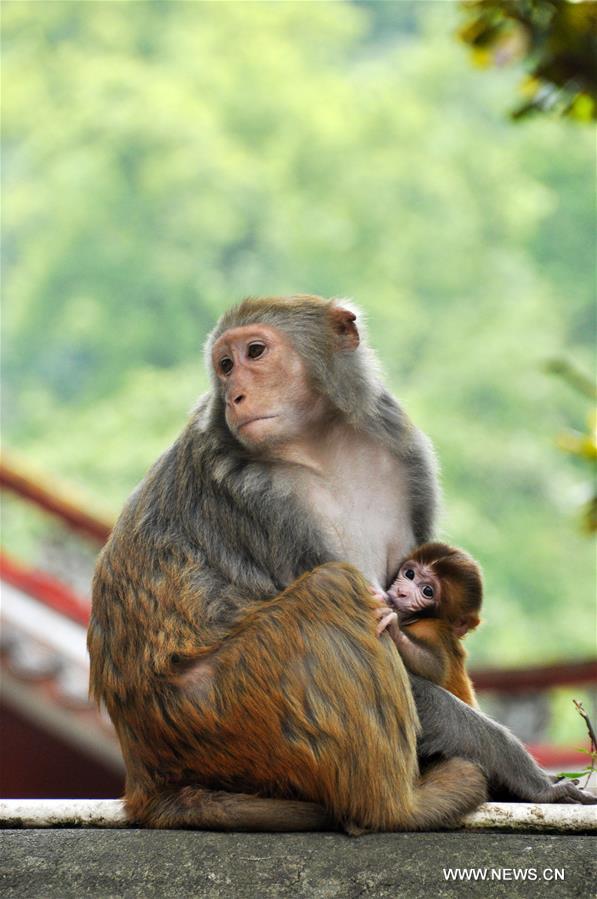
x: 428, y: 591
x: 409, y: 573
x: 226, y: 365
x: 255, y: 350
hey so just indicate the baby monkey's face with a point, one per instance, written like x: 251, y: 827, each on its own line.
x: 416, y: 587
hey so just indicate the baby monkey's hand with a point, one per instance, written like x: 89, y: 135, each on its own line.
x: 387, y: 617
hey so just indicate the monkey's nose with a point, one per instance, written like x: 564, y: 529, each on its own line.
x: 238, y: 399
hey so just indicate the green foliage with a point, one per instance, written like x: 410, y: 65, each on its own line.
x: 557, y: 39
x: 165, y: 159
x: 582, y: 444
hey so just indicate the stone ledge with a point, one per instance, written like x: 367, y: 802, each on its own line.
x: 133, y: 863
x: 519, y: 817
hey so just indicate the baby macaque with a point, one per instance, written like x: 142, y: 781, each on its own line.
x: 434, y: 601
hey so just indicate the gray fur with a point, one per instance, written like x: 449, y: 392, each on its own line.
x: 451, y: 728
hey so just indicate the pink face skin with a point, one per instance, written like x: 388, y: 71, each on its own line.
x: 415, y: 588
x: 269, y: 400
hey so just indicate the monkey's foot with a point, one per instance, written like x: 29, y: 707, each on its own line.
x: 568, y: 794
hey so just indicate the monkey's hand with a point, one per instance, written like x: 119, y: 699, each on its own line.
x: 387, y: 619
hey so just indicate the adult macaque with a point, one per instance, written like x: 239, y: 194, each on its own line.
x: 434, y: 601
x: 235, y: 651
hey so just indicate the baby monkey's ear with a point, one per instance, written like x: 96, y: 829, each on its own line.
x: 345, y: 330
x: 463, y: 625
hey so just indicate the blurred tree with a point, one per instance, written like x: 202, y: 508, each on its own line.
x: 556, y: 39
x: 581, y: 444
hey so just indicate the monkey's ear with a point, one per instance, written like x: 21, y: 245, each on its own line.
x: 344, y: 328
x: 463, y: 625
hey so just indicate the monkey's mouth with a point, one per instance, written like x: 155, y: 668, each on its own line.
x: 406, y: 608
x: 250, y: 421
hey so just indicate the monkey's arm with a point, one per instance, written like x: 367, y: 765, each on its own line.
x: 419, y: 657
x: 450, y: 728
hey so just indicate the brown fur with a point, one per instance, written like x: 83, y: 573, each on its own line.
x: 296, y: 707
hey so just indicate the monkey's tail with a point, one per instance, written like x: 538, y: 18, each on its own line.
x: 445, y: 793
x: 218, y: 810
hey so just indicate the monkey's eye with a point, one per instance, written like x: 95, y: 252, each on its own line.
x: 255, y: 350
x: 428, y: 591
x: 409, y: 573
x: 226, y: 365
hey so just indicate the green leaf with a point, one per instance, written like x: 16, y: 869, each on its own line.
x: 574, y: 775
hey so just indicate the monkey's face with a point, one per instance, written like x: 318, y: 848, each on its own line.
x: 268, y: 395
x: 416, y: 587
